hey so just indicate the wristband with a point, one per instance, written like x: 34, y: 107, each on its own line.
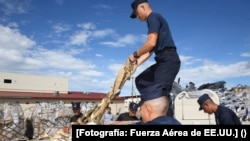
x: 135, y: 55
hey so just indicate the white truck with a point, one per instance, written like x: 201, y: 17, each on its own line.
x: 186, y: 108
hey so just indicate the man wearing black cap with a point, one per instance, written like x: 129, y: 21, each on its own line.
x: 161, y: 75
x: 130, y: 115
x: 76, y: 107
x: 223, y: 115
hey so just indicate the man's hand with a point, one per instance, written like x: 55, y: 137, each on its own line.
x: 133, y: 63
x: 132, y: 59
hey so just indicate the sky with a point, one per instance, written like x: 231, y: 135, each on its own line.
x: 88, y: 42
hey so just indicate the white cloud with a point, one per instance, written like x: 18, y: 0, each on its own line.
x: 60, y: 2
x: 23, y: 55
x: 13, y: 40
x: 122, y: 41
x: 59, y: 27
x: 80, y: 38
x: 87, y: 26
x: 189, y: 60
x: 246, y: 54
x: 115, y: 67
x: 14, y: 6
x: 103, y: 33
x: 101, y: 6
x: 88, y: 33
x: 99, y: 55
x: 211, y: 71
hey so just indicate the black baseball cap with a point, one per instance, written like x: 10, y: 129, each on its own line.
x: 76, y: 105
x: 133, y: 106
x: 202, y: 99
x: 134, y: 6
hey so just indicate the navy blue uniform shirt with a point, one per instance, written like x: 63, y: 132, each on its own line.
x: 156, y: 23
x: 75, y: 117
x: 162, y: 120
x: 126, y: 117
x: 225, y: 116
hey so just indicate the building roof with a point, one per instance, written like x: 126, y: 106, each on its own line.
x: 73, y: 95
